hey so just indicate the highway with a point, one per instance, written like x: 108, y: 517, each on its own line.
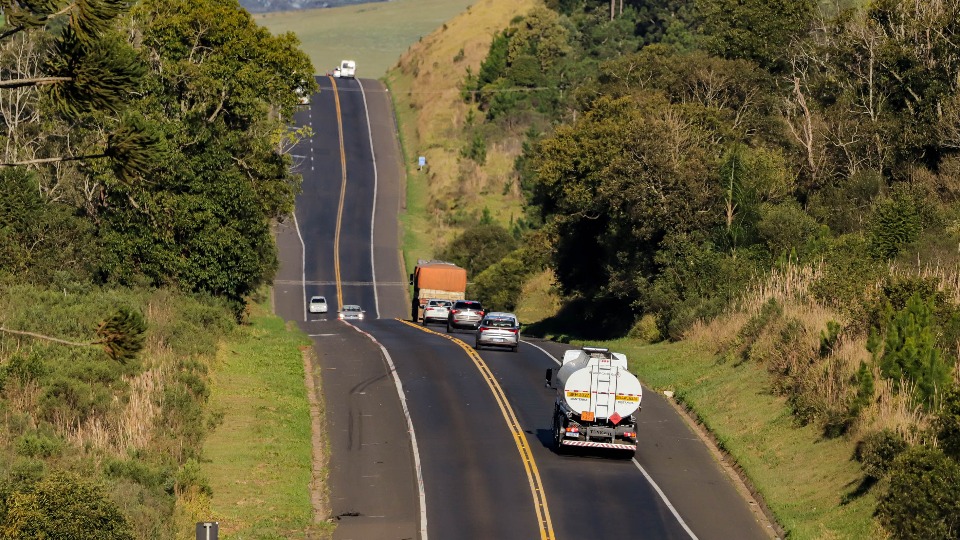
x: 429, y: 439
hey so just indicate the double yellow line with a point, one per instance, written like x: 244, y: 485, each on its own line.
x: 526, y: 455
x: 343, y: 194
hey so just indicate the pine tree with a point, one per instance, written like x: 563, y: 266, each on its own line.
x: 910, y: 353
x: 122, y: 335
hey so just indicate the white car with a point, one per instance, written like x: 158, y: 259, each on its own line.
x: 436, y: 310
x: 318, y: 304
x: 302, y: 96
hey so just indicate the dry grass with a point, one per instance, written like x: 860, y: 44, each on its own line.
x: 825, y: 383
x: 897, y: 411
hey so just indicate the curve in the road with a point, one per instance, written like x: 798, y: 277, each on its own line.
x: 373, y: 214
x: 526, y: 455
x: 343, y: 195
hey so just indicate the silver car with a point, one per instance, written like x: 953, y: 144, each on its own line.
x: 436, y: 310
x: 351, y: 312
x: 465, y: 314
x: 500, y: 329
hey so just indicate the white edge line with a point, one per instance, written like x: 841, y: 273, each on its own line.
x: 303, y: 265
x: 656, y: 488
x: 413, y: 435
x: 665, y: 500
x: 373, y: 214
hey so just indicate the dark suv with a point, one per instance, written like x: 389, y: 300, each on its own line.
x: 465, y: 314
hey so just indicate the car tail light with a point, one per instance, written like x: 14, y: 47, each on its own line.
x: 454, y: 311
x: 483, y: 329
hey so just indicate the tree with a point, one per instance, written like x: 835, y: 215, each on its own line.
x: 479, y: 247
x: 758, y: 30
x: 628, y: 174
x: 910, y: 352
x: 71, y: 52
x: 222, y: 90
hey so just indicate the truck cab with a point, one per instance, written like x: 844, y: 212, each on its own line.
x: 346, y: 69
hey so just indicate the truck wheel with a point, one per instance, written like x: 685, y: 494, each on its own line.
x: 558, y: 436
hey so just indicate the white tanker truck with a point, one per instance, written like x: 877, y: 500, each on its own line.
x: 597, y: 400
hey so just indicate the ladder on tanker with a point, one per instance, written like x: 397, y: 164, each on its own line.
x: 603, y: 387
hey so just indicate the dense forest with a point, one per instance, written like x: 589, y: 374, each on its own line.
x: 143, y: 163
x: 683, y: 158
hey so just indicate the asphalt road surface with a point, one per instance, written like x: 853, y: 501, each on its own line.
x: 428, y: 438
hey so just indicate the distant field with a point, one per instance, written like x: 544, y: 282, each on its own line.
x: 375, y: 35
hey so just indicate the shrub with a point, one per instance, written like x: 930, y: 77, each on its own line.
x: 786, y: 228
x: 475, y: 149
x: 923, y: 497
x: 846, y: 268
x: 63, y: 505
x: 948, y: 424
x: 499, y: 286
x: 190, y: 478
x: 68, y: 400
x: 877, y: 451
x: 38, y: 445
x: 646, y: 329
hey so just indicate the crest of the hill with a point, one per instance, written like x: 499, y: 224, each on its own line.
x: 267, y: 6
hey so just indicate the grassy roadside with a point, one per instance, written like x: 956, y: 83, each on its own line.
x: 258, y: 461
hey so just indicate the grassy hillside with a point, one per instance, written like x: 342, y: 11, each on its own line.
x: 426, y: 86
x: 372, y: 34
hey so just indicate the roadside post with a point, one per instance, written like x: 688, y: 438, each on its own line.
x: 208, y: 530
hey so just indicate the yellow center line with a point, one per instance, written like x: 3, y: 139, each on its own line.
x: 343, y: 193
x: 526, y: 455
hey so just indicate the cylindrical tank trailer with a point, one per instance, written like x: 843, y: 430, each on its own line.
x: 597, y: 400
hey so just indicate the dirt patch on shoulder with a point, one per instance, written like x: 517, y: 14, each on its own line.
x: 319, y: 495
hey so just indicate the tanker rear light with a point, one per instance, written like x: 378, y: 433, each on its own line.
x: 630, y: 434
x: 573, y: 429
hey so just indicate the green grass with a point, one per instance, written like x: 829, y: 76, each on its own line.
x: 375, y: 34
x: 258, y: 461
x: 801, y: 476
